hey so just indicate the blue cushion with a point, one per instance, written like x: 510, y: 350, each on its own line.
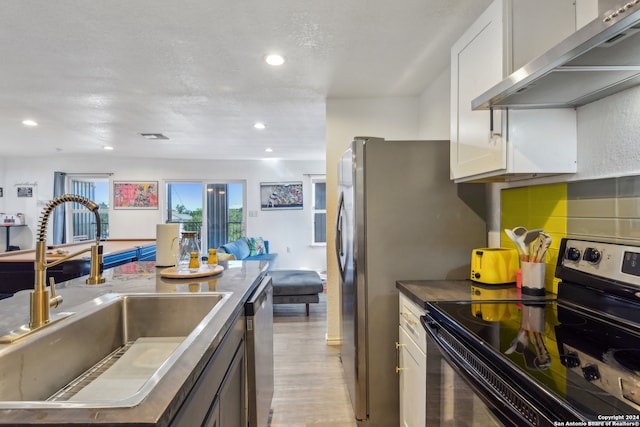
x: 239, y: 248
x: 262, y: 257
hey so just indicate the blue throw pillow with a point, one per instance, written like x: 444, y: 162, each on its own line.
x: 243, y: 248
x: 239, y: 248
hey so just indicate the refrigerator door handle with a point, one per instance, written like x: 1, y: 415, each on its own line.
x: 338, y: 237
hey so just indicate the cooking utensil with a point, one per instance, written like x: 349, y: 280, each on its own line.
x: 531, y: 235
x: 527, y: 238
x: 522, y: 239
x: 519, y: 231
x: 511, y: 235
x: 541, y: 247
x: 515, y: 235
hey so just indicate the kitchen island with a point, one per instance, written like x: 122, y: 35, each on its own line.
x: 17, y: 272
x: 173, y: 392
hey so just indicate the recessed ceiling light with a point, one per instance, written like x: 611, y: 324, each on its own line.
x: 29, y: 122
x: 274, y: 59
x: 259, y: 125
x: 268, y: 150
x: 154, y: 136
x: 108, y: 147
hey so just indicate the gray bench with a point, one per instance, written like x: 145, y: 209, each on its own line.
x: 296, y: 287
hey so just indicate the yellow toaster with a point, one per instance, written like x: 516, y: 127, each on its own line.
x: 494, y: 266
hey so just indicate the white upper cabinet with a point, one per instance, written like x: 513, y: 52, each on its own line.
x: 511, y: 144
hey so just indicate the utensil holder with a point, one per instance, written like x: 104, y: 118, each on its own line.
x: 533, y: 278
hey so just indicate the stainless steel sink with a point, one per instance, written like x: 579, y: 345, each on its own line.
x: 48, y: 367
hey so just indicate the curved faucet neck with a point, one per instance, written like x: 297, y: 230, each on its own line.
x: 40, y: 301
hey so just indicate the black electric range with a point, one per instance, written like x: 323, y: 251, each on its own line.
x: 554, y: 360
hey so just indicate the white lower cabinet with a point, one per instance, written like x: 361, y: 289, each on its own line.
x: 413, y: 382
x: 412, y: 365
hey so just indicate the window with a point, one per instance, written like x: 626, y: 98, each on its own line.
x: 213, y: 210
x: 184, y: 206
x: 83, y: 222
x: 319, y: 197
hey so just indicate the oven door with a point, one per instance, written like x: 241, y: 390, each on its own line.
x: 458, y: 391
x: 450, y: 400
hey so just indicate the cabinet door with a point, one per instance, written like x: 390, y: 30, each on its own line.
x: 218, y: 396
x: 213, y: 418
x: 509, y: 34
x: 413, y: 382
x: 231, y: 396
x: 477, y: 65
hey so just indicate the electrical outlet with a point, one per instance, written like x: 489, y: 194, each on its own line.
x: 288, y: 249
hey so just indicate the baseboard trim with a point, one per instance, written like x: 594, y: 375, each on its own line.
x: 332, y: 341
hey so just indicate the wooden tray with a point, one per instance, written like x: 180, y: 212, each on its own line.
x: 203, y: 271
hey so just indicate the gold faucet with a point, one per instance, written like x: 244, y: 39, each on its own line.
x: 40, y: 300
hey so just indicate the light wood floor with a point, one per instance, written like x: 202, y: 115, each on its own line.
x: 310, y: 390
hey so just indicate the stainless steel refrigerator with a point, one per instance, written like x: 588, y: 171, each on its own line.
x: 399, y: 218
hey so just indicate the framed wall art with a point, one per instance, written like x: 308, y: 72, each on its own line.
x: 25, y: 191
x: 135, y: 194
x: 280, y: 195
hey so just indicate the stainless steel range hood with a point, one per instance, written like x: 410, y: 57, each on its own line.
x: 598, y: 60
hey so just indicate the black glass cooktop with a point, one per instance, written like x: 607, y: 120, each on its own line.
x: 584, y: 363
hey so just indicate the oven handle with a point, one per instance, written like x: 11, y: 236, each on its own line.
x: 432, y: 327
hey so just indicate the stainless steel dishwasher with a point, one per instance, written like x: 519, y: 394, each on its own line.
x: 259, y: 317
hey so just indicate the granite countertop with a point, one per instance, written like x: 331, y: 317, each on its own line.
x: 423, y: 291
x: 239, y: 277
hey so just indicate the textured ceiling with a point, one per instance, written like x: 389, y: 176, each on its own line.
x: 97, y: 73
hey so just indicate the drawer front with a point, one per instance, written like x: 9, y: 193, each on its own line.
x: 410, y: 321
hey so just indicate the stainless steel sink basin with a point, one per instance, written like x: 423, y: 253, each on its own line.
x: 54, y: 365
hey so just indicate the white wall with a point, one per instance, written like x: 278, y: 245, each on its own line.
x: 389, y: 118
x: 434, y: 108
x: 284, y: 229
x: 608, y: 136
